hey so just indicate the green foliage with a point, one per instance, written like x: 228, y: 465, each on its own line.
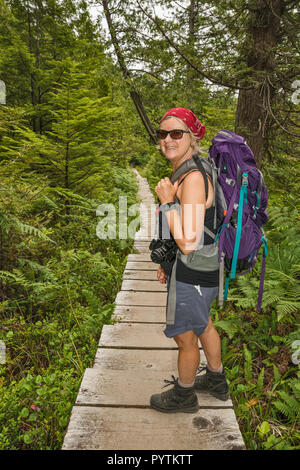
x: 258, y: 349
x: 26, y: 416
x: 289, y: 405
x: 67, y: 134
x: 247, y: 364
x: 62, y: 152
x: 60, y: 296
x: 281, y: 287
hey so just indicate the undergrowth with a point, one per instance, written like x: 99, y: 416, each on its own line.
x: 55, y: 298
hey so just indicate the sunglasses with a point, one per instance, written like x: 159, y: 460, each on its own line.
x: 175, y: 134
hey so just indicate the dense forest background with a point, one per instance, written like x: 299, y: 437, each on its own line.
x: 83, y: 85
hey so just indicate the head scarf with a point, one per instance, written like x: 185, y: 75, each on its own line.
x: 187, y: 116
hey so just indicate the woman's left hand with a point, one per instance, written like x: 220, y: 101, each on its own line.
x: 166, y: 191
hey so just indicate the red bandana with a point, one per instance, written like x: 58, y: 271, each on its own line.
x: 190, y: 120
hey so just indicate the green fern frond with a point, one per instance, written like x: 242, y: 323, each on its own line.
x: 260, y: 382
x: 15, y: 277
x: 289, y: 405
x: 277, y: 376
x: 284, y: 409
x: 230, y: 327
x: 291, y: 401
x: 286, y: 307
x: 247, y: 364
x: 30, y: 230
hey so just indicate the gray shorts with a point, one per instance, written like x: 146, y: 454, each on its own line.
x: 192, y: 308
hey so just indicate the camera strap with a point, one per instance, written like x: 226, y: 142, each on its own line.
x: 171, y: 300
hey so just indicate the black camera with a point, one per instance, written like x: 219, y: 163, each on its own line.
x: 163, y: 250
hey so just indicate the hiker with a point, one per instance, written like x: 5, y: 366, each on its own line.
x: 184, y: 205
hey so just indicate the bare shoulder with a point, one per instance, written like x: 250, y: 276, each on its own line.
x: 193, y: 177
x: 192, y: 186
x: 193, y: 180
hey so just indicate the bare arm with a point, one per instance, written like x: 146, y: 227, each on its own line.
x: 187, y: 228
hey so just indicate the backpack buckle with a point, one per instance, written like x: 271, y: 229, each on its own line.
x: 230, y: 181
x: 244, y: 179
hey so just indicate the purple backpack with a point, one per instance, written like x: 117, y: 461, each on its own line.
x: 243, y: 213
x: 240, y: 200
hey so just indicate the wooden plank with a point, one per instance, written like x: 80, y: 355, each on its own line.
x: 141, y: 298
x: 141, y: 244
x: 139, y: 257
x: 106, y: 428
x: 146, y: 229
x: 146, y: 286
x: 141, y: 266
x: 104, y: 387
x: 143, y: 238
x: 145, y: 314
x: 140, y: 275
x: 138, y: 359
x: 141, y: 248
x: 135, y: 336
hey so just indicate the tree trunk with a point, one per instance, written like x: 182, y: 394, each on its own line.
x: 191, y: 74
x: 135, y: 96
x: 254, y: 106
x: 32, y: 79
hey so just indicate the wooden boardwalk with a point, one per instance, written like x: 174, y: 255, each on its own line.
x: 112, y: 410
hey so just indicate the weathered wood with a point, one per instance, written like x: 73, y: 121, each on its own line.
x: 135, y: 335
x: 145, y: 314
x: 163, y: 360
x: 145, y: 286
x: 140, y: 266
x: 104, y: 387
x: 147, y: 228
x: 141, y: 298
x: 143, y: 238
x: 139, y: 257
x: 141, y: 248
x: 140, y: 275
x: 106, y: 428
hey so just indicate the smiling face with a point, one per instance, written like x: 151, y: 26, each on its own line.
x: 176, y: 151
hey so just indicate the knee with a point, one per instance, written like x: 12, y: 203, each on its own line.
x: 184, y: 341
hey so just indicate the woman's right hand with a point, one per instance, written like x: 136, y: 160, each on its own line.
x: 161, y: 275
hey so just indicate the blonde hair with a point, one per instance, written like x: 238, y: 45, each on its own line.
x: 194, y: 140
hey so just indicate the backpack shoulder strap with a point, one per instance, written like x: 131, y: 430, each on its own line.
x: 191, y: 164
x: 183, y: 168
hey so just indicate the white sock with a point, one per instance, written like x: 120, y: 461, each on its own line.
x: 219, y: 370
x: 185, y: 385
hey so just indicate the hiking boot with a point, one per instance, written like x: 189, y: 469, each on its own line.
x: 213, y: 383
x: 177, y: 399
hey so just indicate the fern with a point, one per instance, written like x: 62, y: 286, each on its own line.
x: 30, y: 230
x: 247, y: 364
x: 277, y: 376
x: 260, y: 382
x: 286, y: 307
x: 15, y: 277
x: 281, y: 287
x: 229, y: 326
x: 289, y: 405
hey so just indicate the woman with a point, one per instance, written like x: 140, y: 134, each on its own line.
x: 195, y: 290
